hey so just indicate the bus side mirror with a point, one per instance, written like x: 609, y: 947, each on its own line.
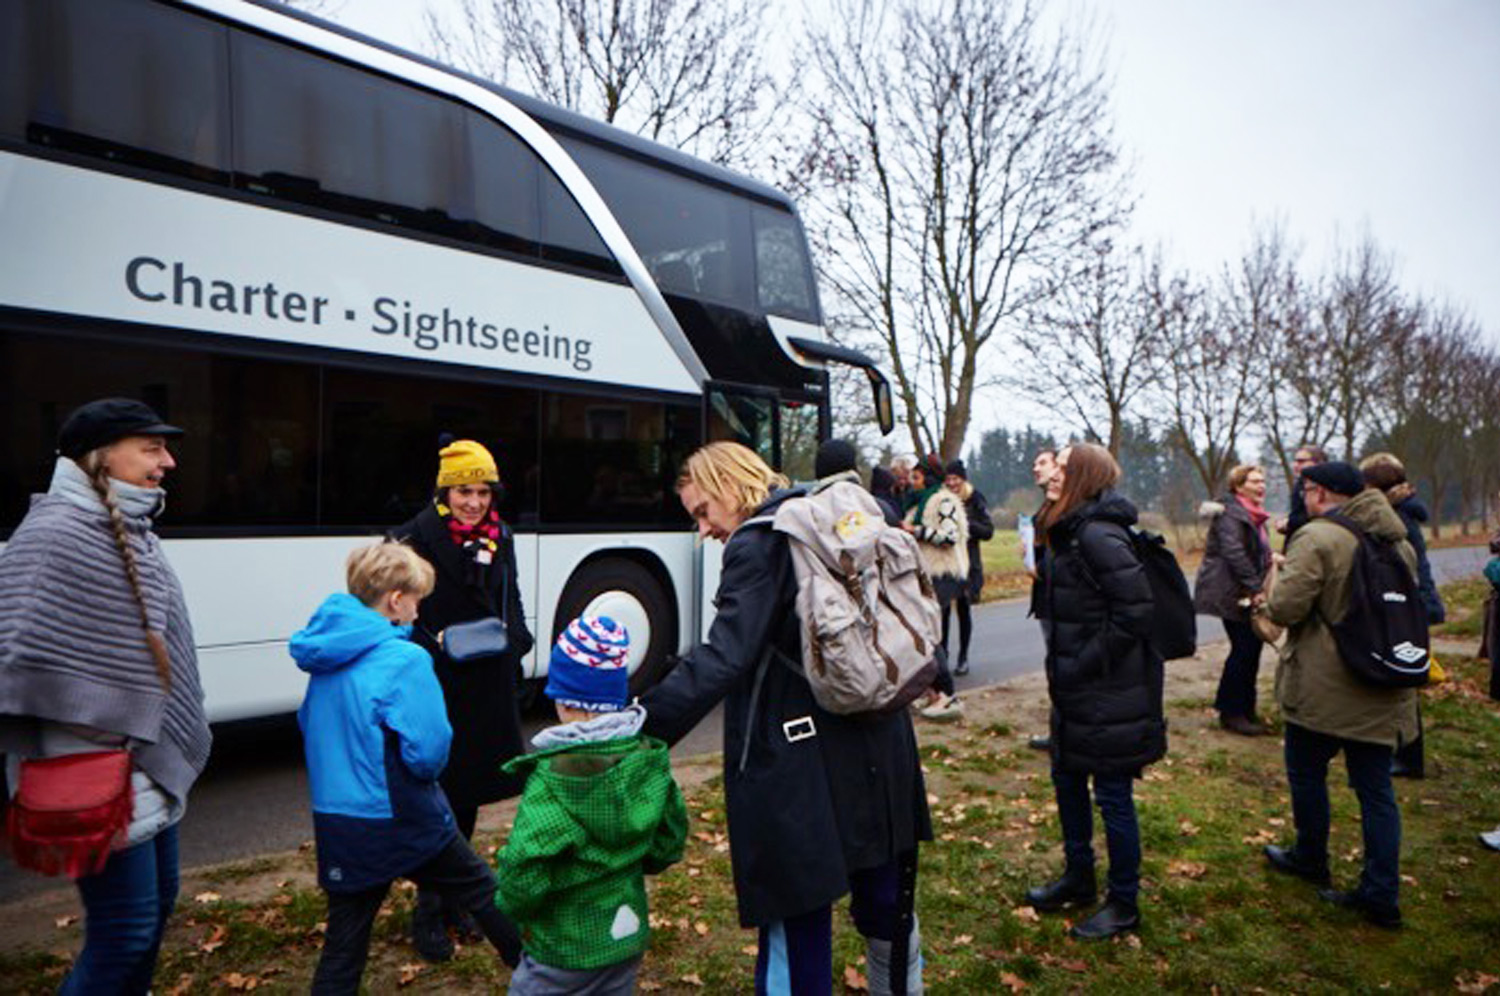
x: 884, y: 411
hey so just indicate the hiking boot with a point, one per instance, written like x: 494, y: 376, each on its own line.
x: 1286, y: 859
x: 1077, y: 887
x: 947, y: 709
x: 1114, y: 917
x: 1040, y: 743
x: 1380, y: 914
x: 429, y: 935
x: 1400, y: 769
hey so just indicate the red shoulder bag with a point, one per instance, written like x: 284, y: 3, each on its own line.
x: 70, y: 812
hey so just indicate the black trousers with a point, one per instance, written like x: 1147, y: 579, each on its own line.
x: 1237, y: 684
x: 965, y: 625
x: 457, y: 874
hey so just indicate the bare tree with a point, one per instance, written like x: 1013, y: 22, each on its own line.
x: 1206, y: 360
x: 689, y: 73
x: 1361, y: 321
x: 960, y: 154
x: 1086, y: 344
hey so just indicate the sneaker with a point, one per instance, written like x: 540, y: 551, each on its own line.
x: 1491, y: 839
x: 961, y: 668
x: 947, y: 709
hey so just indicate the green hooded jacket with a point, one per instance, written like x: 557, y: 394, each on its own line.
x: 1313, y: 686
x: 595, y: 818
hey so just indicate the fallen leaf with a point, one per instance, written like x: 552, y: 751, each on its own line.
x: 854, y: 980
x: 239, y: 982
x: 1026, y: 914
x: 1187, y: 869
x: 700, y: 928
x: 207, y: 897
x: 1012, y: 981
x: 692, y: 979
x: 1478, y: 984
x: 647, y: 986
x: 407, y: 974
x: 1276, y: 821
x: 1133, y: 940
x: 1187, y: 828
x: 215, y: 940
x: 932, y: 800
x: 183, y: 987
x: 694, y: 872
x: 65, y: 921
x: 753, y: 950
x: 963, y: 939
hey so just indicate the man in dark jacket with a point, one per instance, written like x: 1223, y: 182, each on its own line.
x: 818, y: 805
x: 1307, y: 455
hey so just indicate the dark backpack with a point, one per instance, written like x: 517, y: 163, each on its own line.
x: 1174, y: 622
x: 1382, y: 638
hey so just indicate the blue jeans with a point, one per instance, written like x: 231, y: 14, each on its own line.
x: 125, y: 913
x: 1307, y: 757
x: 1122, y: 834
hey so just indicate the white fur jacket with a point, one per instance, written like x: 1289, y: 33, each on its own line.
x: 943, y: 535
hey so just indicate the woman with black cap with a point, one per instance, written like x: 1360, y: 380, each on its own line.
x: 99, y: 689
x: 473, y: 552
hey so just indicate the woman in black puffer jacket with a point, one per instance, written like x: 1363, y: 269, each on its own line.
x: 1105, y: 682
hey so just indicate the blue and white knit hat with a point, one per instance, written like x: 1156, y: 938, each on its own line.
x: 587, y: 669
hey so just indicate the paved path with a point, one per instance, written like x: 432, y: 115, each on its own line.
x: 253, y: 798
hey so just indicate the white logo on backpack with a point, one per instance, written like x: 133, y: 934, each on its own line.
x: 870, y: 619
x: 1408, y: 653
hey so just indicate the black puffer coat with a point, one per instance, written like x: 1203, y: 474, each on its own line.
x: 804, y: 811
x: 1104, y: 679
x: 1234, y: 564
x: 481, y: 694
x: 1413, y: 513
x: 981, y: 528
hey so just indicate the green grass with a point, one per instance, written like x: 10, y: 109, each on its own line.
x: 1215, y: 917
x: 1464, y: 601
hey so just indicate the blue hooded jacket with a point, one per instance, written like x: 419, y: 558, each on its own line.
x: 376, y: 735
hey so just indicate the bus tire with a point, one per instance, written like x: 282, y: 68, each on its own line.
x: 628, y: 591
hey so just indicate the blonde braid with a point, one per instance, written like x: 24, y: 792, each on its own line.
x: 93, y: 465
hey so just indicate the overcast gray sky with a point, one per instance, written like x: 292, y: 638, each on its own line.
x: 1331, y: 116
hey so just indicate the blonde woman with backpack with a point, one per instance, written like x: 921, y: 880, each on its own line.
x: 818, y: 805
x: 98, y: 680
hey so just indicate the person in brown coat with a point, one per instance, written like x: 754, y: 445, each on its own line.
x: 1327, y: 709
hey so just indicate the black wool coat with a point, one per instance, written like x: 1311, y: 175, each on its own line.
x: 1104, y: 679
x: 981, y: 528
x: 804, y: 811
x: 1234, y: 564
x: 481, y: 694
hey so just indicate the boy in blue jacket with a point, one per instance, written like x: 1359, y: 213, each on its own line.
x: 376, y: 735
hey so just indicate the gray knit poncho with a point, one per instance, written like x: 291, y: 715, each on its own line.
x: 71, y: 645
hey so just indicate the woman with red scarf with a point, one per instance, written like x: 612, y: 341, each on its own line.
x: 473, y: 553
x: 1233, y: 571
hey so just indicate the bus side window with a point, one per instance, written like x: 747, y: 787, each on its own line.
x: 784, y: 282
x: 130, y: 81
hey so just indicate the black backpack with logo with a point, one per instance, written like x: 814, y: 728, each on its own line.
x: 1382, y: 638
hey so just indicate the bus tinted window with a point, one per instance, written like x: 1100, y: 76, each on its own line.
x: 567, y: 234
x: 611, y: 461
x: 691, y: 235
x: 380, y: 438
x: 249, y: 453
x: 499, y: 189
x: 783, y: 273
x: 130, y: 81
x: 318, y: 131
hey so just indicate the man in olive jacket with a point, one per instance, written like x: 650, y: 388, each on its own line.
x: 1326, y: 708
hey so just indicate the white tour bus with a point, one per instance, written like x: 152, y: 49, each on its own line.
x: 318, y: 254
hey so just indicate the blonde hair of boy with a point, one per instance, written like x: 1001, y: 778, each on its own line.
x: 733, y: 474
x: 375, y: 570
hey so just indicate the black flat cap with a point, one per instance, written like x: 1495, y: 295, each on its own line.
x: 1337, y: 476
x: 101, y: 422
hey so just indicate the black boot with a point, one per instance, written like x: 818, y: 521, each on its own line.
x: 1077, y: 886
x: 429, y: 935
x: 1114, y: 917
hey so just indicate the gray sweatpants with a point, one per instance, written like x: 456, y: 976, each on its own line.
x: 532, y: 978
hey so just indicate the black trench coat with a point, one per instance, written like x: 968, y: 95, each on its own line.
x: 481, y: 694
x: 803, y: 812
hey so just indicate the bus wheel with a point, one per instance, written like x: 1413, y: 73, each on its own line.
x: 629, y: 594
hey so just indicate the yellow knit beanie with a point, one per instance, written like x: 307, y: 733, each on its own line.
x: 465, y: 462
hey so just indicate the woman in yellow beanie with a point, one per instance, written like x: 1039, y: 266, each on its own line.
x: 473, y: 552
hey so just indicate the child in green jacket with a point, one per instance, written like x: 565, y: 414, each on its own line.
x: 600, y: 812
